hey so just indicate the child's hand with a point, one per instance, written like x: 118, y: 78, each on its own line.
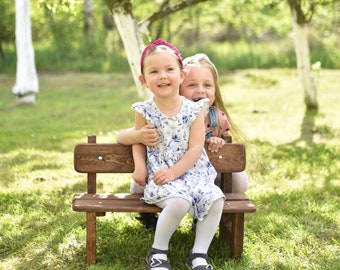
x: 140, y: 175
x: 163, y: 176
x: 148, y: 135
x: 215, y: 143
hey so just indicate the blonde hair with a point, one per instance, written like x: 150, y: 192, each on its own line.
x: 202, y: 59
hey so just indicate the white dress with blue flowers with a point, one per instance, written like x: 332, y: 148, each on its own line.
x: 197, y: 184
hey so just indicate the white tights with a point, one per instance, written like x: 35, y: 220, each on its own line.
x: 174, y: 209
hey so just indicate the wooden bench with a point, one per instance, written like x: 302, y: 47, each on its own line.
x: 93, y: 158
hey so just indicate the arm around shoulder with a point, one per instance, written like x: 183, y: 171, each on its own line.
x: 146, y: 135
x: 127, y: 136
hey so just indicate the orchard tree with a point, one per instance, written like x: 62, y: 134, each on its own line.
x: 302, y: 13
x: 26, y: 85
x: 131, y: 32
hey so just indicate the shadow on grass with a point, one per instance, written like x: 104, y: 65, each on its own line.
x: 36, y: 229
x: 299, y: 226
x: 301, y: 209
x: 319, y: 162
x: 297, y: 216
x: 308, y: 127
x: 307, y: 165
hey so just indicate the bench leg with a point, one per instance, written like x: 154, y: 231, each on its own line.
x: 90, y: 237
x: 232, y: 231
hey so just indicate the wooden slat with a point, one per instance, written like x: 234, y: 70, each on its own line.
x: 138, y: 196
x: 116, y: 158
x: 230, y: 158
x: 239, y: 207
x: 103, y: 158
x: 132, y: 203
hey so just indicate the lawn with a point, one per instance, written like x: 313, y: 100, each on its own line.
x: 293, y: 159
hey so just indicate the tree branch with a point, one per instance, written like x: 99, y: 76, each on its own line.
x: 122, y: 6
x: 301, y: 18
x: 167, y: 10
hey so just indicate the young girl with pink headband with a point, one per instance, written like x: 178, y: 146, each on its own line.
x: 177, y: 174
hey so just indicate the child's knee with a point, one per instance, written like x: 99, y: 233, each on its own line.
x: 217, y: 206
x: 135, y: 188
x: 176, y: 206
x: 239, y: 182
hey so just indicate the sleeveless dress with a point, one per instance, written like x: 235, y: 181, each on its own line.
x: 197, y: 184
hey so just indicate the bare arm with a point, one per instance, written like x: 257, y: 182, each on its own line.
x: 146, y: 135
x: 196, y: 145
x: 140, y: 173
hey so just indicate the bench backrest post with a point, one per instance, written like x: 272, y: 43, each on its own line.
x: 227, y: 138
x: 226, y: 178
x: 226, y: 182
x: 91, y: 177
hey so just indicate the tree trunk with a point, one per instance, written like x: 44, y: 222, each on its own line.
x: 303, y: 56
x: 303, y: 65
x: 134, y: 46
x: 26, y: 85
x: 88, y: 18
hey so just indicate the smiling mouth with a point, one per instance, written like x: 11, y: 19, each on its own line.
x: 197, y: 99
x: 164, y: 85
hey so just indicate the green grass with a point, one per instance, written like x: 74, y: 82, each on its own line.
x: 292, y: 159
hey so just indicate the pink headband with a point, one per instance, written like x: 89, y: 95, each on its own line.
x: 156, y: 43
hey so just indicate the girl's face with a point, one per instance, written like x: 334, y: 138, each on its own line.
x: 162, y: 74
x: 198, y: 84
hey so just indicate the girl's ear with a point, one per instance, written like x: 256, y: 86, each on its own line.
x: 142, y: 80
x: 184, y: 74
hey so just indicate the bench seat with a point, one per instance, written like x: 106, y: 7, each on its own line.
x: 126, y: 202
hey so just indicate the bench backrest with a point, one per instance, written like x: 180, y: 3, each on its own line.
x: 95, y: 158
x: 117, y: 158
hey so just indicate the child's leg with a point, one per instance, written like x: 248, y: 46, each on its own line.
x: 174, y: 209
x: 205, y: 231
x: 239, y: 182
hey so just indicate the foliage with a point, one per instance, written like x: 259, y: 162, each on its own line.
x: 57, y: 16
x: 7, y: 27
x: 292, y: 160
x: 58, y: 31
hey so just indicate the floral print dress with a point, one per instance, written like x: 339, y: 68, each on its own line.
x: 197, y: 184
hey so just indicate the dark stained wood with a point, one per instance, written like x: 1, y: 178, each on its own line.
x: 117, y: 158
x: 91, y: 237
x: 125, y: 202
